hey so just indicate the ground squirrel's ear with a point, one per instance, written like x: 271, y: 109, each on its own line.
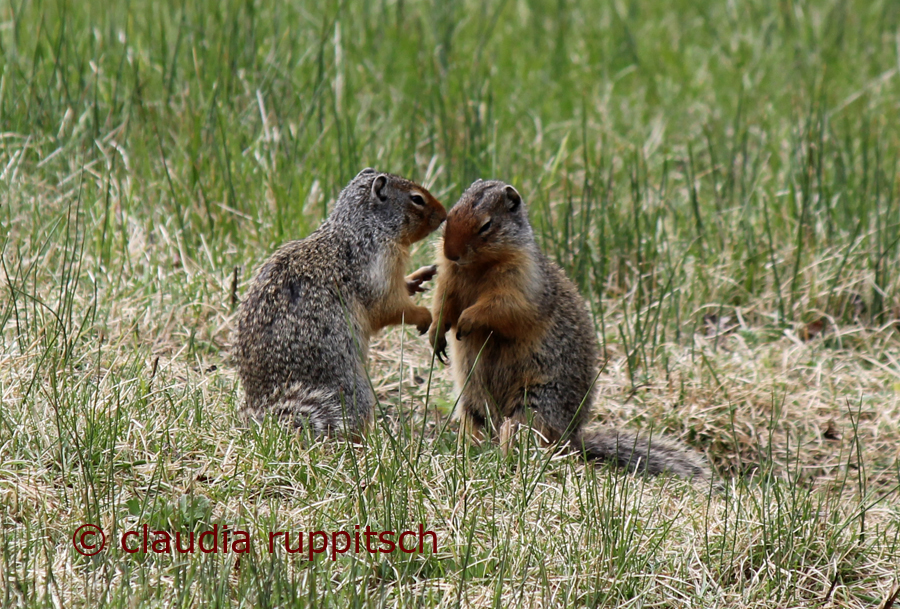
x: 365, y: 171
x: 378, y: 187
x: 513, y: 198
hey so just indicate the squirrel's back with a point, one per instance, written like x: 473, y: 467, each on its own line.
x: 305, y: 323
x: 292, y: 324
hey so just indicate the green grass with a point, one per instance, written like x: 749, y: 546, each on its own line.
x: 720, y: 179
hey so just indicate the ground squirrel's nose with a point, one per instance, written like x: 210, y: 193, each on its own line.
x: 454, y: 239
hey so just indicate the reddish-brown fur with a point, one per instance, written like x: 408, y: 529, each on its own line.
x: 522, y: 345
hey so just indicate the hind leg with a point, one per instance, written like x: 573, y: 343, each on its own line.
x: 529, y: 418
x: 508, y: 435
x: 508, y: 430
x: 471, y: 422
x: 558, y: 412
x: 356, y: 410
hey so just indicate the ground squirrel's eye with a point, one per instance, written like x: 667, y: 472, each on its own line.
x: 485, y: 227
x: 418, y: 200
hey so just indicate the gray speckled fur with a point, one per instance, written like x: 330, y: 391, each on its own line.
x: 303, y: 328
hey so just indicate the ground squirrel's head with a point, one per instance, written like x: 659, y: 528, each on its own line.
x: 406, y: 208
x: 488, y: 223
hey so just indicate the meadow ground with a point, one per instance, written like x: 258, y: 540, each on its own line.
x: 720, y: 179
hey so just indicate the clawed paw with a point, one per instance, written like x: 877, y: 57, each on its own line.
x: 439, y: 342
x: 442, y: 355
x: 415, y: 280
x: 464, y: 327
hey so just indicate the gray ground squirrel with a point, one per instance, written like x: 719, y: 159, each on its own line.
x: 497, y: 291
x: 304, y: 327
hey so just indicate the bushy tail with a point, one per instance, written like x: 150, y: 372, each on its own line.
x: 651, y: 455
x: 318, y: 410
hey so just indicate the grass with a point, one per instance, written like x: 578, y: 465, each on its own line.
x: 720, y: 179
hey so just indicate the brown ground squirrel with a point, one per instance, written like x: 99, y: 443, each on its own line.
x: 304, y: 327
x: 501, y: 297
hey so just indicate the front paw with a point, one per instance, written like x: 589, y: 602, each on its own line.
x: 464, y: 327
x: 423, y: 320
x: 438, y: 341
x: 415, y: 280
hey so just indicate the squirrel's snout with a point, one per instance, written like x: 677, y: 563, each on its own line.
x: 456, y: 239
x: 453, y: 250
